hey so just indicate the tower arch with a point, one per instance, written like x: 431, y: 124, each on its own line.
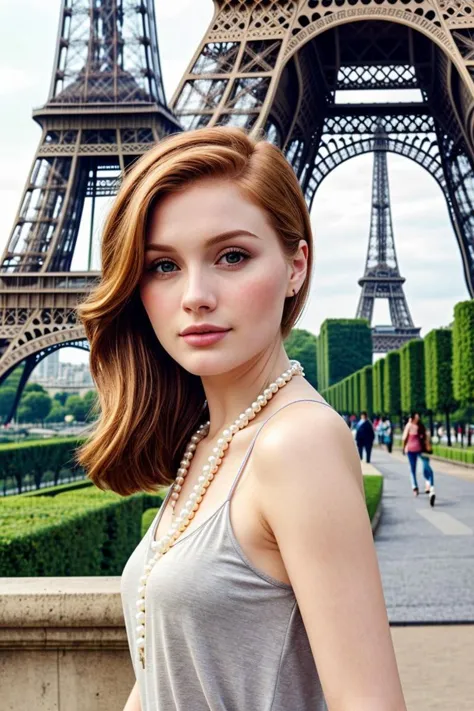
x: 278, y: 66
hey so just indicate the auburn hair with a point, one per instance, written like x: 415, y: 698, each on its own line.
x: 148, y: 405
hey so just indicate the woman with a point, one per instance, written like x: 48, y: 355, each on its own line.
x: 428, y: 472
x: 257, y: 585
x: 416, y: 443
x: 387, y: 433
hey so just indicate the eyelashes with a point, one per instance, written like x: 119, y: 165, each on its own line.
x: 231, y: 250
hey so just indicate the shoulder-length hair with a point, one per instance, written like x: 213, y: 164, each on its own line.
x: 148, y: 405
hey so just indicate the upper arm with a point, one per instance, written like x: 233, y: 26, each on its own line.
x: 312, y: 498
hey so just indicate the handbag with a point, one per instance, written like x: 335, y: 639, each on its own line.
x: 426, y: 447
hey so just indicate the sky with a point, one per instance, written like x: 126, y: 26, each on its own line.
x: 428, y: 255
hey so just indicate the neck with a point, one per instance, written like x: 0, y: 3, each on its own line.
x: 231, y: 393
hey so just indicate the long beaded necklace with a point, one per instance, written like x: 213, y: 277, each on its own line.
x: 209, y: 470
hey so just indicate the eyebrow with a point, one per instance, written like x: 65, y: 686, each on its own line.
x: 211, y: 241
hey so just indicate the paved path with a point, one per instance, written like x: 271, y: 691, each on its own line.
x: 435, y: 666
x: 426, y: 555
x: 426, y: 559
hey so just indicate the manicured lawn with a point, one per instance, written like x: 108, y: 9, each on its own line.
x: 373, y: 492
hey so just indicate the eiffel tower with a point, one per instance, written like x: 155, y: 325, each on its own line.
x: 277, y: 65
x: 382, y: 278
x: 106, y: 107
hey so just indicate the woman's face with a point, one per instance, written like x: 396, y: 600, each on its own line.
x: 416, y: 418
x: 237, y: 282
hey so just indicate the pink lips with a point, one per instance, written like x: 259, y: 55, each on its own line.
x: 205, y: 339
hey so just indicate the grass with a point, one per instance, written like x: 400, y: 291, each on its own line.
x: 373, y: 492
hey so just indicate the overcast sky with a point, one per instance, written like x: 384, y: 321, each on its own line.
x: 428, y: 254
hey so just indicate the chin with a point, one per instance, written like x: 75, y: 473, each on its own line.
x: 207, y: 364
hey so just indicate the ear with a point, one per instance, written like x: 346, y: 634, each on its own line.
x: 298, y: 267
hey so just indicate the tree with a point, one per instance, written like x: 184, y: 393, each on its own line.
x: 57, y: 413
x: 14, y: 378
x: 91, y: 402
x: 7, y: 398
x: 76, y: 406
x: 300, y: 345
x: 35, y: 406
x: 61, y: 397
x: 34, y: 388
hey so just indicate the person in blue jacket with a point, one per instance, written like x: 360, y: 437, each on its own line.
x: 364, y: 436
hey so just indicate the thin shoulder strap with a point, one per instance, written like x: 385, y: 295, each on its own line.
x: 250, y: 448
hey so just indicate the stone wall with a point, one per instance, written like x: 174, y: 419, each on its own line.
x: 63, y: 645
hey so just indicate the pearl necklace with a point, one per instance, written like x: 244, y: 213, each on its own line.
x: 209, y: 470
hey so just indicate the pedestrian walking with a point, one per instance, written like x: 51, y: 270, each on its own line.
x: 440, y: 432
x: 365, y: 436
x: 387, y: 433
x: 415, y: 444
x: 428, y: 472
x: 379, y: 430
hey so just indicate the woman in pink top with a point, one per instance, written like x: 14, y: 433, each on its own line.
x: 414, y: 443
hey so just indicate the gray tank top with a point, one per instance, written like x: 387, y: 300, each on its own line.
x: 221, y: 634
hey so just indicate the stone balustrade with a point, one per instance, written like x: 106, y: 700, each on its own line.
x: 63, y: 645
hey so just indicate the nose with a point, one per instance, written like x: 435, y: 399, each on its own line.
x: 198, y: 292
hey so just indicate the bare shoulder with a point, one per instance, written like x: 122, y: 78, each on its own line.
x: 311, y: 500
x: 306, y: 437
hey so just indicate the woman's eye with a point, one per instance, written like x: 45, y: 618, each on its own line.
x: 165, y: 263
x: 154, y: 267
x: 237, y: 252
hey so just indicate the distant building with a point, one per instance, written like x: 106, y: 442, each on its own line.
x: 51, y: 373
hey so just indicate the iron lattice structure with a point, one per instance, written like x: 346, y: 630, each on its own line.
x: 382, y: 278
x: 106, y: 107
x: 270, y: 64
x: 283, y: 66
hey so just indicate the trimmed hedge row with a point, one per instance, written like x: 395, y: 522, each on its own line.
x: 147, y: 519
x: 455, y: 454
x: 21, y: 460
x: 58, y: 489
x: 87, y: 532
x: 435, y: 374
x: 463, y: 352
x: 344, y: 346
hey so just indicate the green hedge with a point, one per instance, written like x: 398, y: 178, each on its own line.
x: 301, y: 345
x: 87, y: 532
x: 344, y: 346
x: 391, y: 384
x: 366, y: 389
x: 355, y: 378
x: 21, y: 461
x: 58, y: 489
x: 377, y: 386
x: 454, y: 453
x: 438, y: 353
x: 463, y: 352
x: 412, y: 376
x: 147, y: 518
